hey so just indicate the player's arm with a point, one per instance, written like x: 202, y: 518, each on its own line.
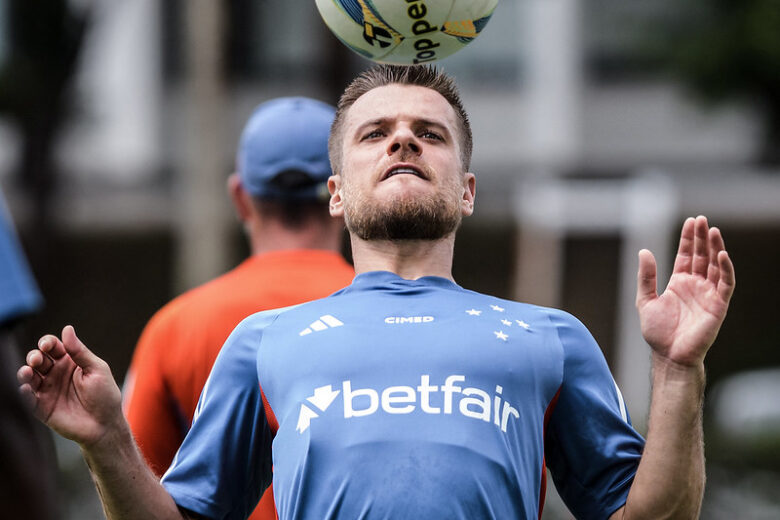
x: 680, y: 325
x: 73, y: 392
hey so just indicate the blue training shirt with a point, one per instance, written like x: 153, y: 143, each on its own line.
x: 396, y: 399
x: 19, y: 294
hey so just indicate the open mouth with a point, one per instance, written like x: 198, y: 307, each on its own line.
x: 403, y: 169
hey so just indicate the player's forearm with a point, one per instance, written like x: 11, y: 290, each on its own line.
x: 127, y: 488
x: 670, y: 480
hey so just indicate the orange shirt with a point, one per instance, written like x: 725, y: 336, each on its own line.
x: 178, y: 346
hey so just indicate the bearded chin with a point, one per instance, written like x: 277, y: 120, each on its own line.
x: 417, y: 218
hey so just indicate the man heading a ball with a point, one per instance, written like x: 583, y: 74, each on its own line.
x: 405, y: 395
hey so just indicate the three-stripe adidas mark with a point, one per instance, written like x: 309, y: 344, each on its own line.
x: 324, y: 322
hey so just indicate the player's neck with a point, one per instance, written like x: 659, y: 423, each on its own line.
x: 410, y: 259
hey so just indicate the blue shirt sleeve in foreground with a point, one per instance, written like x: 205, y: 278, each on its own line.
x: 224, y: 464
x: 591, y: 448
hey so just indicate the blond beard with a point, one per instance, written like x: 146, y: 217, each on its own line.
x: 428, y: 217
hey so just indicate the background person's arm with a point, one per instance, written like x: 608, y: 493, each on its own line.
x: 73, y: 392
x: 680, y: 325
x: 149, y: 401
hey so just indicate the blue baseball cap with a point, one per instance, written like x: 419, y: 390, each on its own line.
x: 283, y: 152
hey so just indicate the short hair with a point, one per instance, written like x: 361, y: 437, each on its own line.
x: 416, y: 75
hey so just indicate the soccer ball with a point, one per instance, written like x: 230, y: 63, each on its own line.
x: 406, y: 32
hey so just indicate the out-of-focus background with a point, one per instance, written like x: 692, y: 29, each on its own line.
x: 599, y: 126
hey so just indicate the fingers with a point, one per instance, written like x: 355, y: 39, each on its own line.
x: 684, y: 260
x: 29, y: 383
x: 720, y: 270
x: 698, y: 250
x: 28, y: 396
x: 78, y: 352
x: 51, y: 346
x: 727, y: 280
x: 39, y: 361
x: 701, y: 255
x: 50, y: 350
x: 646, y: 278
x: 716, y: 245
x: 26, y: 375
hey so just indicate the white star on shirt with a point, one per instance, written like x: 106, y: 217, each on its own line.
x: 523, y: 324
x: 500, y: 335
x: 473, y: 312
x: 497, y: 308
x: 506, y: 322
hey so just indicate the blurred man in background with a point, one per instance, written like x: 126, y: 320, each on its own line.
x: 280, y: 195
x: 27, y: 487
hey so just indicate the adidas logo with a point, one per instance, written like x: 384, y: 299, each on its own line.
x: 325, y: 322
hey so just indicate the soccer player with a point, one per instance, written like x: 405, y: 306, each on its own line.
x: 405, y: 395
x: 280, y: 194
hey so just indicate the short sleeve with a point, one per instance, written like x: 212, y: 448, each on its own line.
x: 591, y: 448
x: 224, y: 463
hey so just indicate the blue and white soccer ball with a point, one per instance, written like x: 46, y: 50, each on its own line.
x: 406, y: 32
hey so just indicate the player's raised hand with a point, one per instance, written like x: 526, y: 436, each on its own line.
x: 71, y: 389
x: 681, y: 324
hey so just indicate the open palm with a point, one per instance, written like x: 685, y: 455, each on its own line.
x: 681, y: 324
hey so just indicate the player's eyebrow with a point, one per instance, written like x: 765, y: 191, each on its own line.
x: 371, y: 124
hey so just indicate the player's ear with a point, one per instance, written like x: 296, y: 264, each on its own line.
x: 469, y: 193
x: 242, y: 202
x: 336, y: 205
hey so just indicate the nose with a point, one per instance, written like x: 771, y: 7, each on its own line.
x: 404, y: 141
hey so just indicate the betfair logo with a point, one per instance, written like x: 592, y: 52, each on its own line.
x: 448, y: 398
x: 322, y: 399
x: 373, y: 34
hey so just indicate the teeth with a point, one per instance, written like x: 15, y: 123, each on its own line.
x: 403, y: 170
